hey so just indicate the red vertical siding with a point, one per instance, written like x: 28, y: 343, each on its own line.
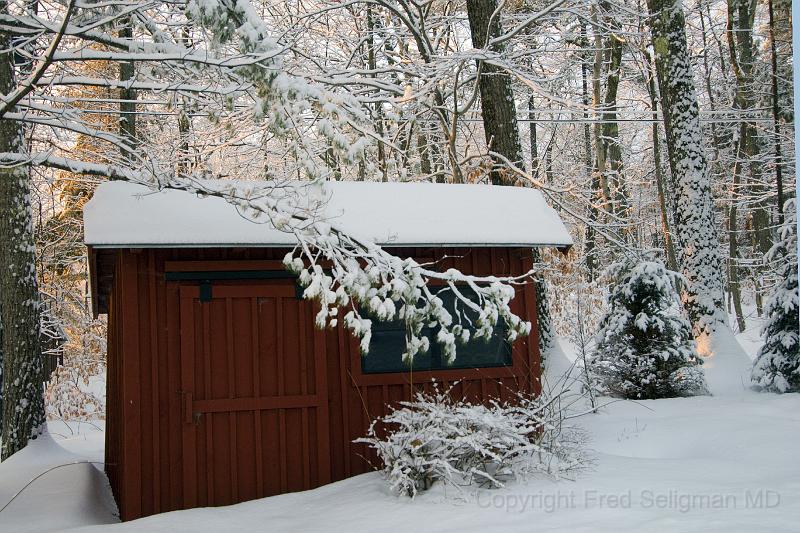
x: 146, y: 436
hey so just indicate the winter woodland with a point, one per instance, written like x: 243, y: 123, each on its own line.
x: 661, y: 131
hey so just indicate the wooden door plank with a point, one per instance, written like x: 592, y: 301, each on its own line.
x: 156, y: 409
x: 188, y: 354
x: 131, y: 504
x: 255, y: 346
x: 323, y: 415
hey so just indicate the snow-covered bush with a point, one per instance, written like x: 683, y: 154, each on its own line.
x: 777, y: 365
x: 436, y: 438
x: 569, y: 291
x: 645, y: 348
x: 76, y: 389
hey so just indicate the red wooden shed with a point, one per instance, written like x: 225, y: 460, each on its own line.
x: 220, y: 389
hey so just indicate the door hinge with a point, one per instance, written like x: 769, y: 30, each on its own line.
x: 205, y: 291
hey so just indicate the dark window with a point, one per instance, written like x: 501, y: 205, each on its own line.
x: 389, y: 342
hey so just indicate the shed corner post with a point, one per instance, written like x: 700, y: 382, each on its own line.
x: 131, y: 494
x: 534, y: 351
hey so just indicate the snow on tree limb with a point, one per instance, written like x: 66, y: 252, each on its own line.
x: 336, y: 268
x: 343, y: 271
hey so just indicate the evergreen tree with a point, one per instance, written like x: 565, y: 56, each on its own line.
x: 645, y: 348
x: 777, y: 365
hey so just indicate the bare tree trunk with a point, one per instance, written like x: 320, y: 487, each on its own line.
x: 184, y: 124
x: 378, y: 119
x: 709, y: 90
x: 23, y: 405
x: 497, y: 95
x: 734, y: 278
x: 405, y: 136
x: 609, y: 141
x: 741, y: 16
x: 661, y: 182
x: 776, y: 124
x: 127, y: 106
x: 595, y: 192
x: 184, y: 132
x: 548, y: 157
x: 1, y: 366
x: 424, y: 153
x: 587, y: 130
x: 532, y: 129
x: 597, y: 103
x: 501, y: 129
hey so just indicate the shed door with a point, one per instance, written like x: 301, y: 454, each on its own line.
x: 255, y: 415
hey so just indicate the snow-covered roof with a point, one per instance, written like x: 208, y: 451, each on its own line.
x: 123, y: 214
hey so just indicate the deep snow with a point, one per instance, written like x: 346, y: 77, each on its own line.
x: 721, y: 463
x: 70, y: 492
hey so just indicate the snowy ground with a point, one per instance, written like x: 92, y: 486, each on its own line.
x: 69, y: 492
x: 722, y: 463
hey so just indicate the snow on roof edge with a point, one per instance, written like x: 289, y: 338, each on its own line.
x: 559, y: 246
x: 128, y: 215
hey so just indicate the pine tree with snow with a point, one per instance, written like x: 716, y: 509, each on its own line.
x: 645, y: 348
x: 777, y: 365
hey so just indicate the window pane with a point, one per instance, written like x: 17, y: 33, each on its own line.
x: 477, y: 353
x: 386, y: 351
x: 388, y: 344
